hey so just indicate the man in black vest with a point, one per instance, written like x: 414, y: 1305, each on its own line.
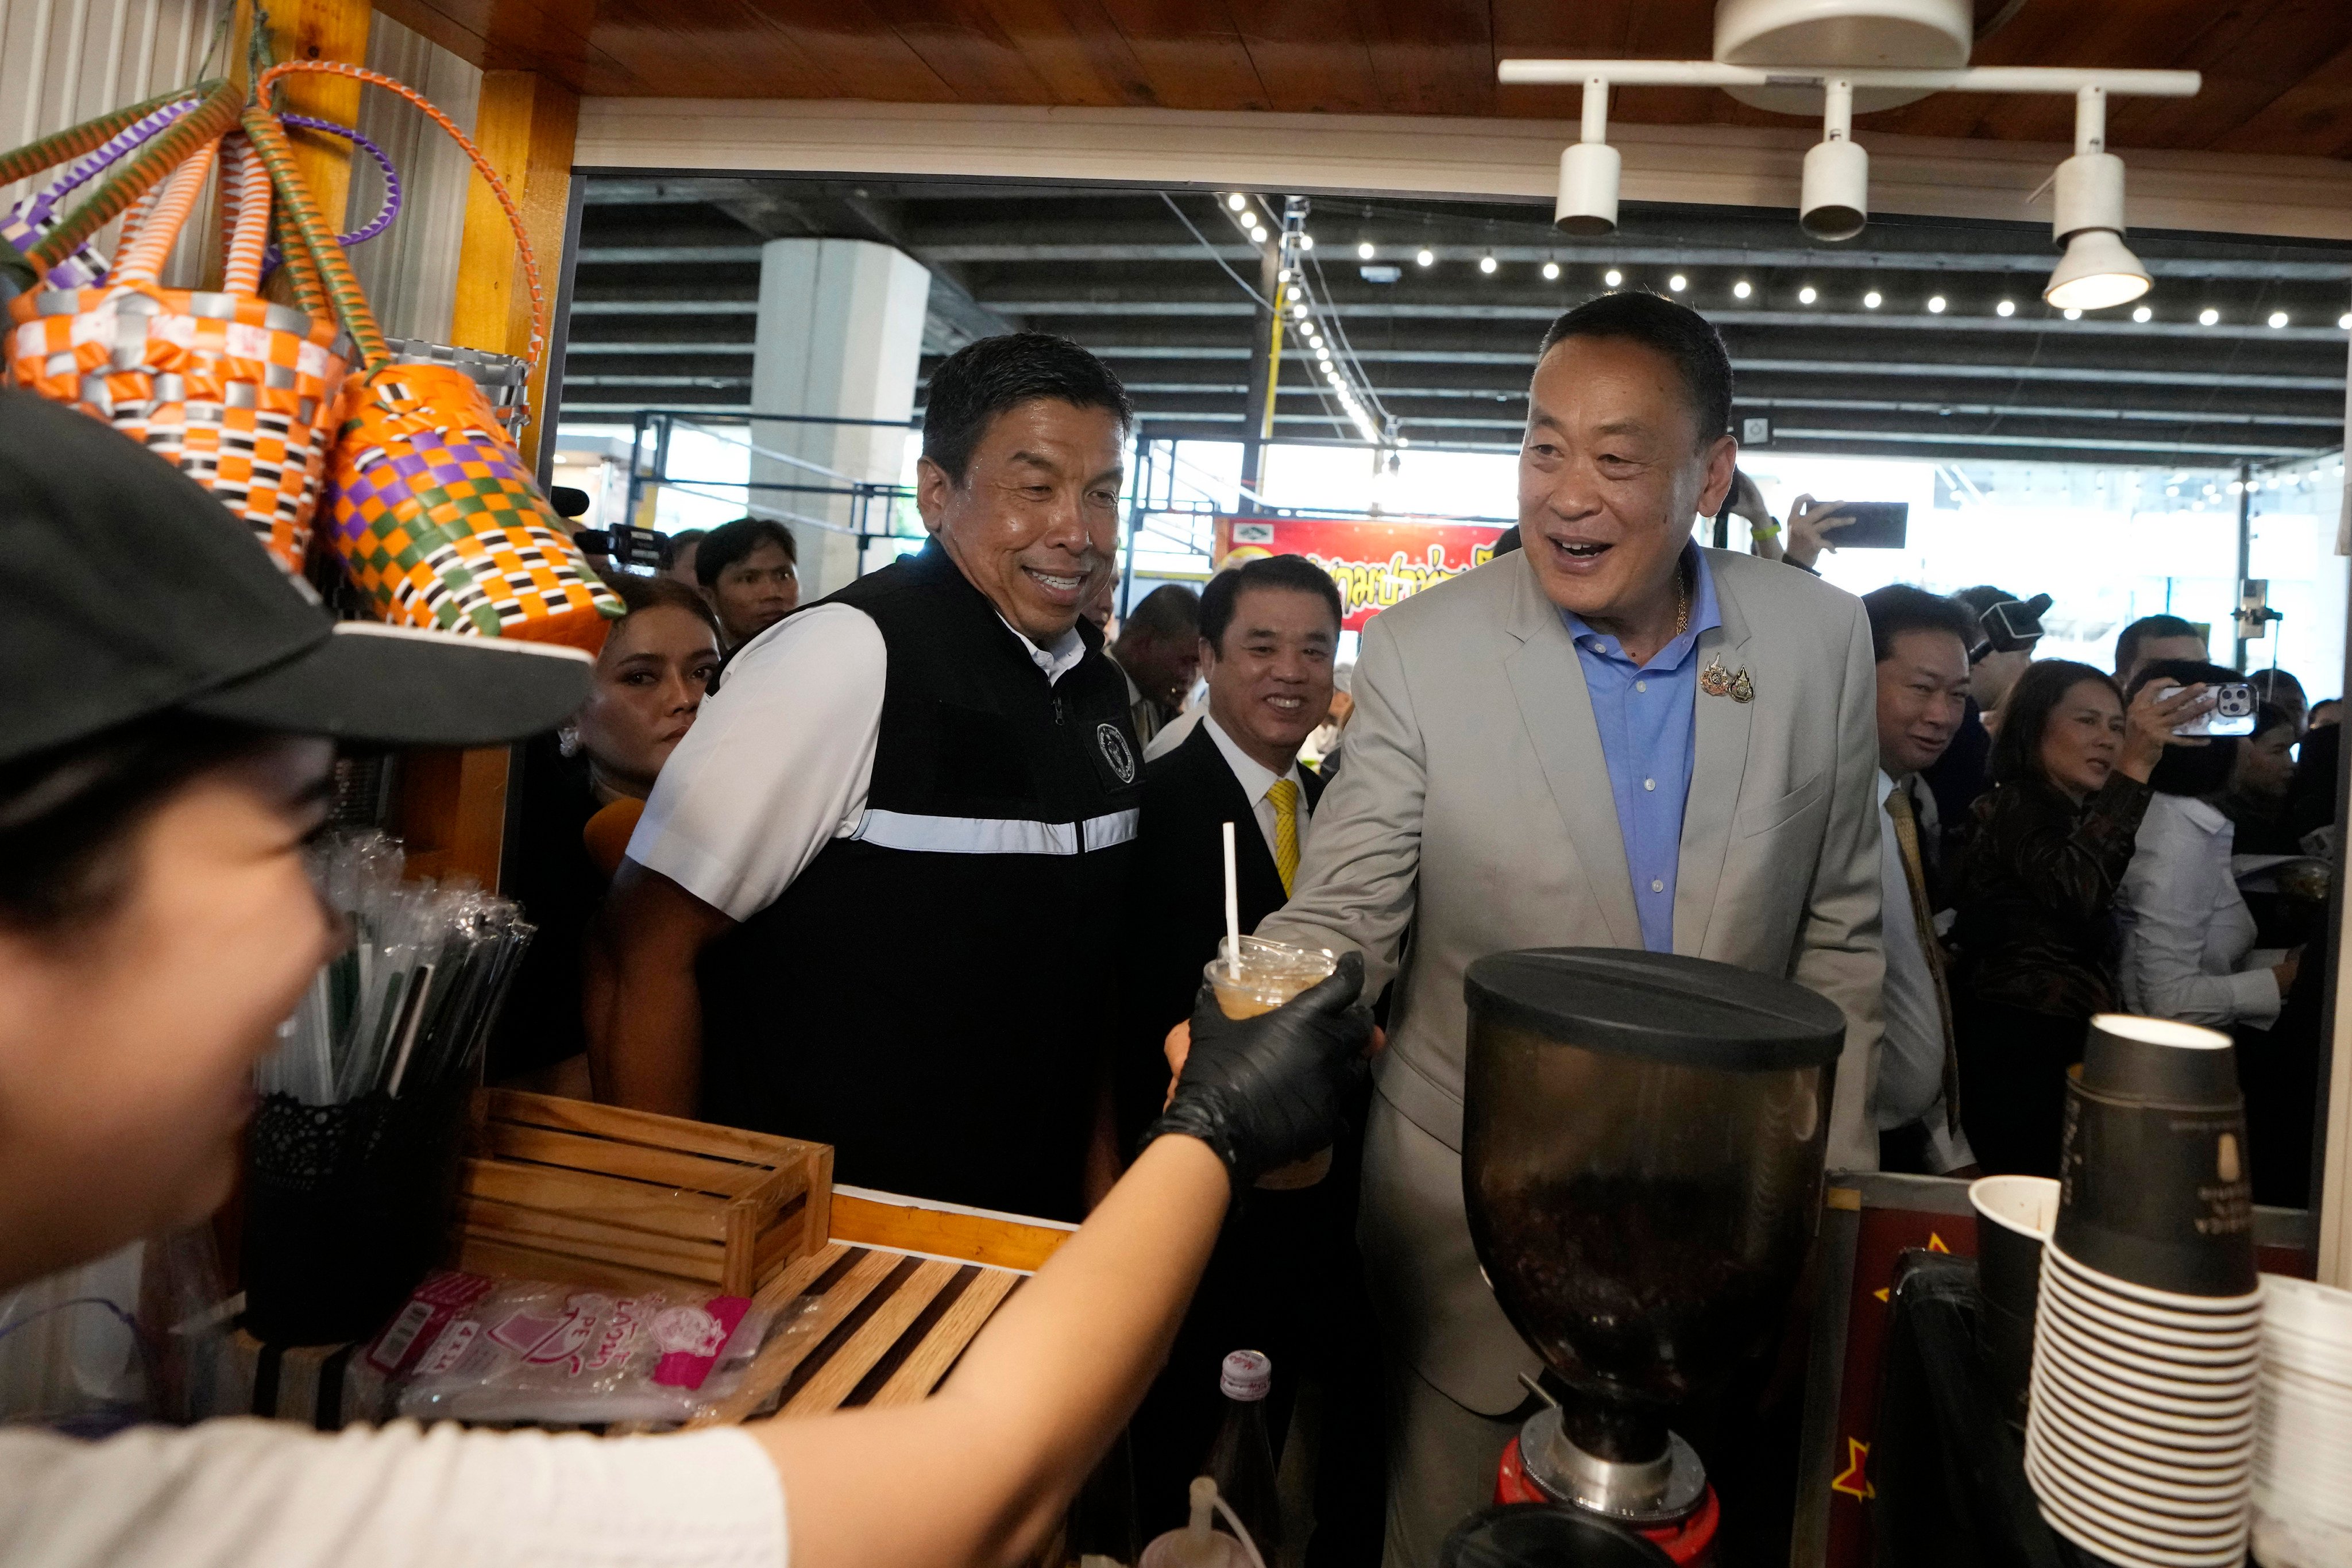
x: 1285, y: 1278
x: 884, y: 842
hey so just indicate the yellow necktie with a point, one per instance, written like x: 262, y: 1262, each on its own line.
x: 1915, y: 878
x: 1284, y: 796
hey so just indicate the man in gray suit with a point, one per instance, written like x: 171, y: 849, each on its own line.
x: 1609, y: 738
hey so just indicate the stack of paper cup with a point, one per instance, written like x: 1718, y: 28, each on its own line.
x: 2303, y: 1426
x: 2147, y: 1334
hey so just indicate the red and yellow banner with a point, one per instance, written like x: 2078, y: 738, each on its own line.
x: 1376, y: 562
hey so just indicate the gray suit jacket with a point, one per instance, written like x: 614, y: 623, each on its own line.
x: 1474, y: 816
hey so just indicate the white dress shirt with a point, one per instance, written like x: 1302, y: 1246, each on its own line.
x: 1910, y: 1081
x: 2186, y: 928
x: 269, y: 1494
x: 1174, y: 732
x: 780, y: 760
x: 1256, y: 779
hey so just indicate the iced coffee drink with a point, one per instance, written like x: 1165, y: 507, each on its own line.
x: 1270, y: 973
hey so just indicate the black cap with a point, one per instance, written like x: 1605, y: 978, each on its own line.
x: 127, y: 590
x: 1665, y: 1007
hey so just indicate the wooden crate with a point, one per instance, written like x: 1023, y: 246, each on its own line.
x: 593, y: 1195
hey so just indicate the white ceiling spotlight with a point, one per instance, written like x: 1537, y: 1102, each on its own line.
x: 1425, y: 256
x: 1935, y: 305
x: 1740, y: 290
x: 2006, y: 308
x: 2143, y: 315
x: 2097, y: 271
x: 1551, y: 271
x: 1835, y: 203
x: 1612, y: 278
x: 1678, y: 283
x: 1808, y: 294
x: 1588, y: 169
x: 1236, y: 202
x: 1364, y: 250
x: 1850, y: 56
x: 1487, y: 263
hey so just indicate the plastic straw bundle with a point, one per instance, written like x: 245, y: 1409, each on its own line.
x: 409, y: 1005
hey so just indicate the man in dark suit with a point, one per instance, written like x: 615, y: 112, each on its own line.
x: 1285, y: 1279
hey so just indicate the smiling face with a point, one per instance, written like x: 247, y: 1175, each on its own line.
x: 755, y: 593
x: 650, y: 679
x: 1034, y: 522
x: 1612, y: 473
x: 1270, y: 684
x: 2082, y: 738
x: 126, y: 1049
x: 1923, y: 687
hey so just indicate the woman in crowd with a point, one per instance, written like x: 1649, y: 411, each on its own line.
x: 2188, y: 938
x: 2035, y: 889
x: 657, y: 663
x: 160, y: 767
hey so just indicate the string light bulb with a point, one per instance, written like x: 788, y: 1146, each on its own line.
x: 1935, y: 305
x: 1871, y: 301
x: 1678, y: 283
x: 2278, y: 318
x: 1808, y: 294
x: 1425, y: 256
x: 2143, y: 315
x: 2209, y: 317
x: 1306, y: 241
x: 1236, y: 201
x: 1612, y: 278
x: 1487, y: 263
x: 2006, y: 308
x: 1551, y: 271
x: 1364, y: 250
x: 1740, y: 290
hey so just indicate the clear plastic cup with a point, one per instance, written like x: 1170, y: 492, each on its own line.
x: 1269, y: 974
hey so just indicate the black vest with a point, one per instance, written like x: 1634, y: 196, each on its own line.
x: 933, y: 996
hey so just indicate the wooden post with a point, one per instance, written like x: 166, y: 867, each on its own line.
x: 453, y: 811
x: 525, y: 128
x: 323, y: 31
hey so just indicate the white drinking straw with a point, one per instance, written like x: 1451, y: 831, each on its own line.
x: 1232, y: 911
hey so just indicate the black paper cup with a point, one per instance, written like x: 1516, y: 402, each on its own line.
x: 2158, y: 1194
x: 2014, y: 1214
x: 347, y: 1207
x: 2160, y: 1062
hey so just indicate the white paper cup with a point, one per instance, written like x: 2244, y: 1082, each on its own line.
x: 2118, y: 1538
x: 2195, y: 1308
x: 2155, y: 1441
x: 2127, y: 1523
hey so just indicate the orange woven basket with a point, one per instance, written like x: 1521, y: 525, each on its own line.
x: 240, y: 393
x: 436, y: 516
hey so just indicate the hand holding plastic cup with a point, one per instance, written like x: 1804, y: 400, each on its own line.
x: 1258, y: 977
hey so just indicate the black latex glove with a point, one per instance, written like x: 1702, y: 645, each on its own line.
x: 1266, y: 1091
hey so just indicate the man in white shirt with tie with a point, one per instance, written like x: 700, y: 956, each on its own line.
x: 1285, y: 1278
x: 1921, y: 642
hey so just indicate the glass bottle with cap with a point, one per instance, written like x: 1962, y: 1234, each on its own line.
x: 1242, y: 1459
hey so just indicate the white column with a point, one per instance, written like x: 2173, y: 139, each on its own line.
x: 840, y: 335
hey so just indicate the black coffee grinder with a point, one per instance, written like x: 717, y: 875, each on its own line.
x: 1643, y: 1138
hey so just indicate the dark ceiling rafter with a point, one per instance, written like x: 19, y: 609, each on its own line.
x: 666, y: 292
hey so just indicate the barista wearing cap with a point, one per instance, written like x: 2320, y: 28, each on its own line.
x: 883, y: 840
x: 165, y: 696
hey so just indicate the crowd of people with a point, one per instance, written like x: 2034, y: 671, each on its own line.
x: 930, y: 870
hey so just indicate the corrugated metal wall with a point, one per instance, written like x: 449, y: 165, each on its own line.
x: 62, y: 61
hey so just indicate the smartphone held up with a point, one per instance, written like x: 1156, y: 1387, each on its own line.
x: 2233, y: 712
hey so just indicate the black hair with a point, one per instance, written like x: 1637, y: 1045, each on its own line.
x: 1678, y: 332
x: 2189, y: 770
x: 993, y: 375
x: 2267, y: 683
x: 1169, y: 613
x: 2127, y: 641
x: 1899, y: 607
x: 2025, y: 717
x: 2269, y: 716
x: 1291, y: 573
x: 68, y: 816
x: 731, y: 542
x: 637, y: 593
x: 679, y: 541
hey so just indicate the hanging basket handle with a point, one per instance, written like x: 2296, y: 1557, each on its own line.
x: 317, y: 239
x: 142, y: 261
x: 538, y: 307
x: 131, y: 179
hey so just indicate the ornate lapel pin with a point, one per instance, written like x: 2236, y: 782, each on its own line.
x: 1718, y: 681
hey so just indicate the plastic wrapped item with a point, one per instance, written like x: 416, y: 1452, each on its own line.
x: 470, y: 1348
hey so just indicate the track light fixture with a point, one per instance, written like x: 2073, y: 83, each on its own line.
x: 1835, y: 200
x: 2097, y: 270
x: 1588, y: 169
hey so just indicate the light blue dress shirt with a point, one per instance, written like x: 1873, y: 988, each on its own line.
x: 1647, y: 718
